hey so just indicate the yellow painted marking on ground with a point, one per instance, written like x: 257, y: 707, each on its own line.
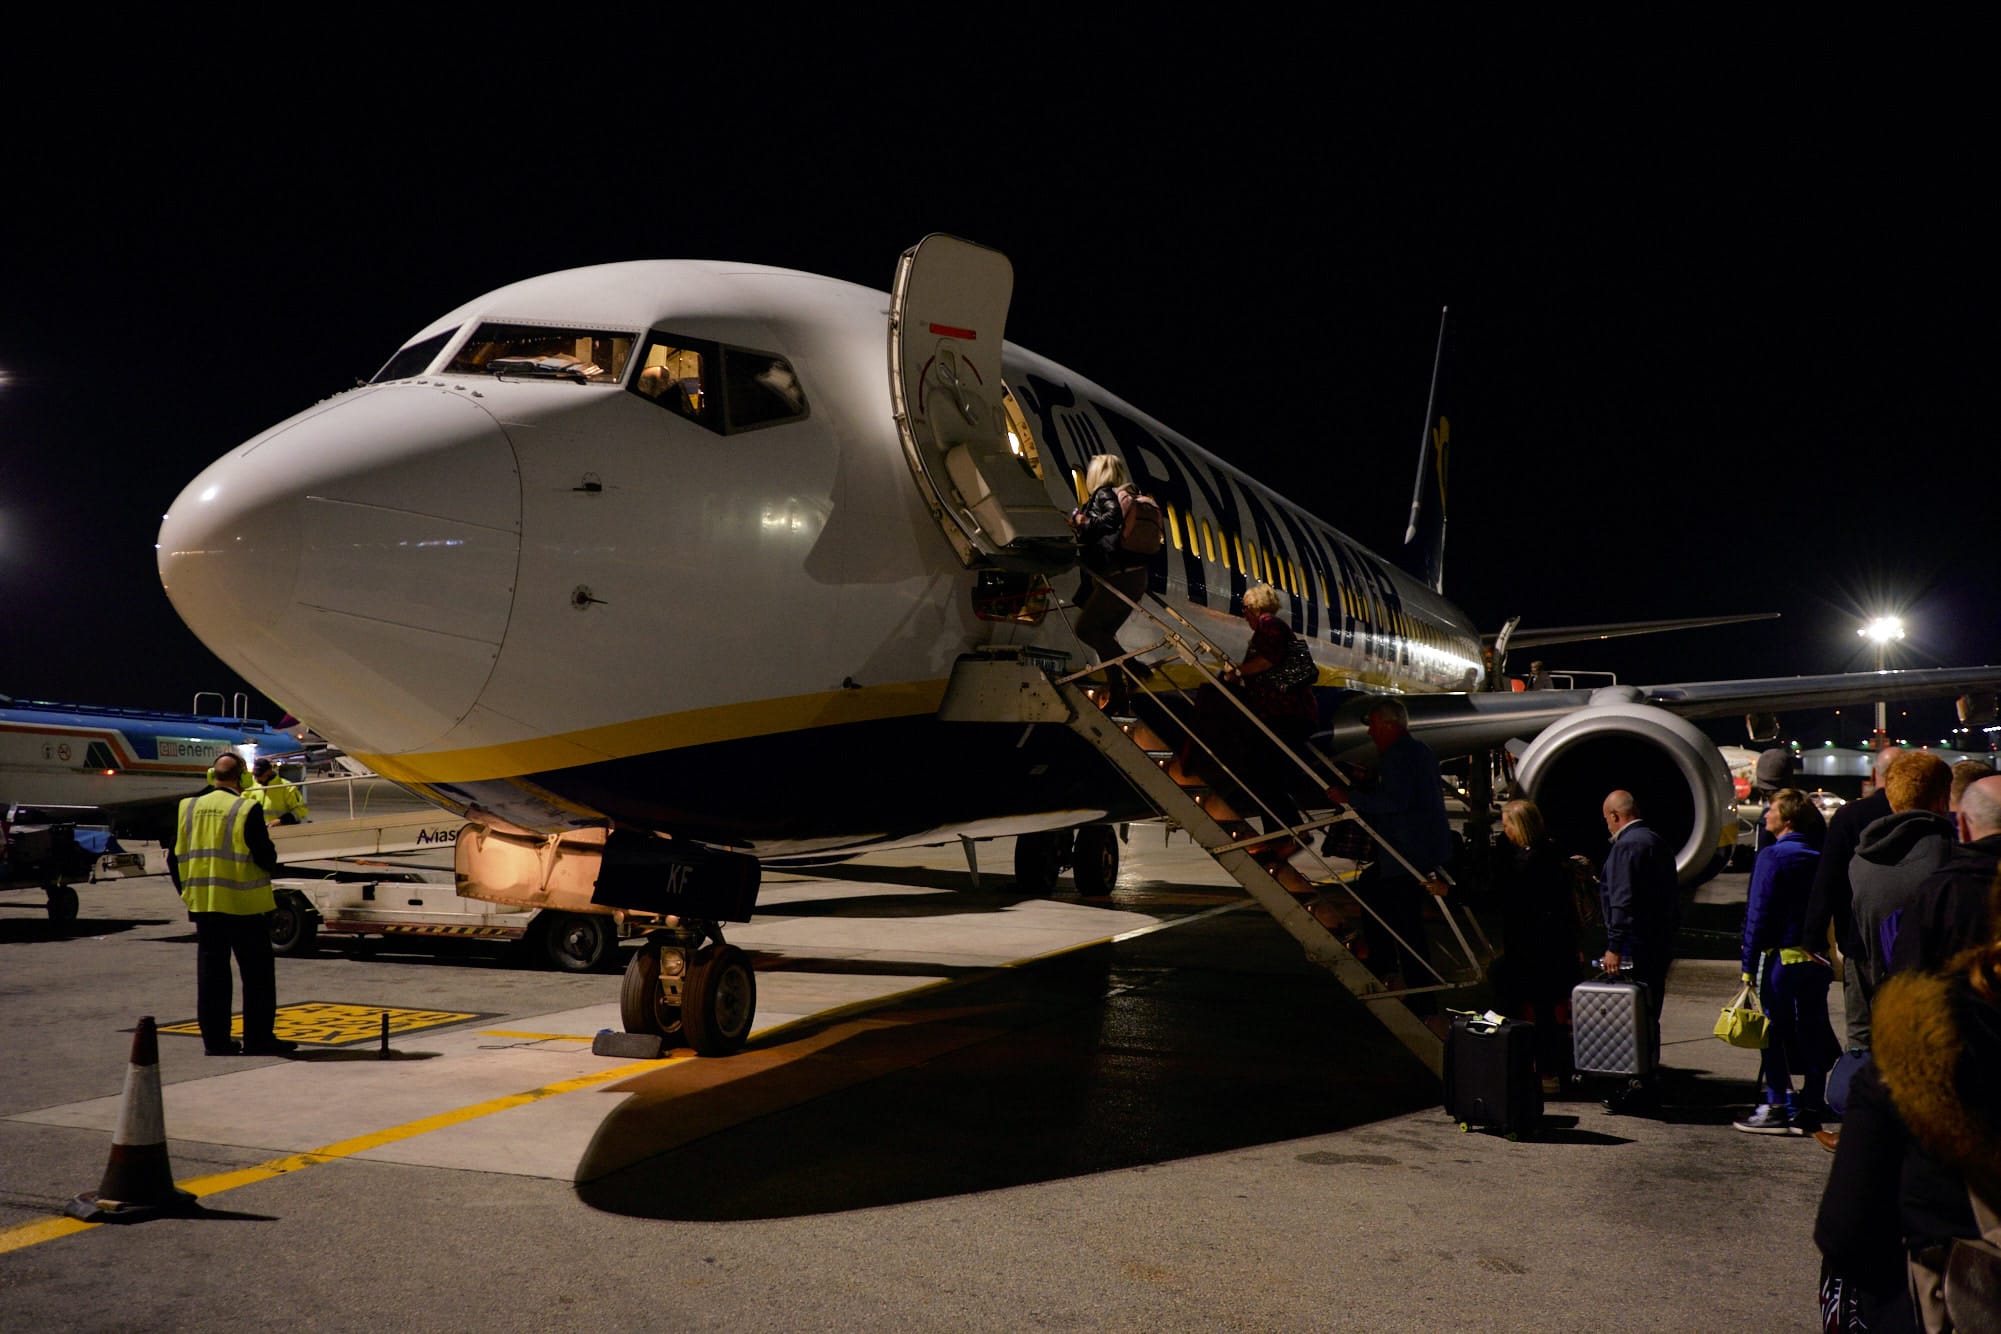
x: 41, y: 1230
x: 331, y: 1023
x: 49, y: 1229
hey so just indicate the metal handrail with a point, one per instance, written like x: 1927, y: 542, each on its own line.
x: 1192, y: 654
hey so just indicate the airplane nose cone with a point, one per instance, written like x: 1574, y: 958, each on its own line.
x: 357, y: 562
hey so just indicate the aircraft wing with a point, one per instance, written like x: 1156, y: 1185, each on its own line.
x: 1456, y: 723
x: 1578, y: 634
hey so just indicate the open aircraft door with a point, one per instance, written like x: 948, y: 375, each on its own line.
x: 947, y: 315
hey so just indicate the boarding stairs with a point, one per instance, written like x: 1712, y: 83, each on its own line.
x: 1008, y: 684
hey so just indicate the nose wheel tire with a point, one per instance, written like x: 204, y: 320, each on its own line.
x: 718, y: 1000
x: 1097, y: 867
x: 642, y: 1006
x: 576, y: 942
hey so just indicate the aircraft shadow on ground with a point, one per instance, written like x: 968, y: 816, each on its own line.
x: 894, y: 905
x: 1080, y: 1064
x: 766, y: 962
x: 22, y: 930
x: 994, y: 885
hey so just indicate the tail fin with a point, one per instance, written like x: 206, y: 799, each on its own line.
x: 1424, y: 537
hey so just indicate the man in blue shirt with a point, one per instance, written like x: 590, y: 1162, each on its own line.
x: 1642, y: 908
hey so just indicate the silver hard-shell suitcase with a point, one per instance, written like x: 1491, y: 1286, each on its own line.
x: 1611, y: 1028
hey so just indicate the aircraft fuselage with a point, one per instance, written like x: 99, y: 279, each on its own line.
x: 556, y: 601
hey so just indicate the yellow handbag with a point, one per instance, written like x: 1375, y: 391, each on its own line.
x: 1742, y: 1023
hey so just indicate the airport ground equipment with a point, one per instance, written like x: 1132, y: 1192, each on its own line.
x: 47, y: 856
x: 357, y: 883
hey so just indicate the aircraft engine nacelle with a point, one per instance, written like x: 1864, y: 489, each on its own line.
x: 1672, y: 769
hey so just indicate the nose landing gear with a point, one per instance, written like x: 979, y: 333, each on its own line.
x: 689, y: 986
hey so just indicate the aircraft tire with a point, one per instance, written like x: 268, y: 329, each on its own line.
x: 1038, y: 860
x: 62, y: 904
x: 719, y: 1000
x: 576, y: 942
x: 1097, y: 864
x: 641, y: 1006
x: 295, y: 928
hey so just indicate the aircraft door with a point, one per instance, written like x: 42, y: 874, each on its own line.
x: 947, y: 315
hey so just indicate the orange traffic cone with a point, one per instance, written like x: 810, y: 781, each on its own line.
x: 138, y: 1181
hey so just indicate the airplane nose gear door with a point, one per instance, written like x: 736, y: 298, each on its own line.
x: 947, y: 313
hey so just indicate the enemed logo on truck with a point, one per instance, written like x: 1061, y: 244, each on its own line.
x: 438, y: 837
x: 176, y: 748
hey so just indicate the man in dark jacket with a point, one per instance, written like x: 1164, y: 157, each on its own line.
x: 1404, y: 802
x: 1642, y: 908
x: 1951, y: 912
x: 1832, y: 901
x: 1897, y: 853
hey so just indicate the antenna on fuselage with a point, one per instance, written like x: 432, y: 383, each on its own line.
x: 1424, y: 535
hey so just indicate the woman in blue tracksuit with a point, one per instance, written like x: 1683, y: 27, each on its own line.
x: 1792, y: 980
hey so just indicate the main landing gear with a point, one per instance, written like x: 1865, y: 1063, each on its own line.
x: 1090, y: 853
x: 689, y: 986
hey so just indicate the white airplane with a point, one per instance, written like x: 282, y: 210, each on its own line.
x: 691, y: 549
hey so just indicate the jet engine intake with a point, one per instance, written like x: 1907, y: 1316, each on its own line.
x: 1672, y: 769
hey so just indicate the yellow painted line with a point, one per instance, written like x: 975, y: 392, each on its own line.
x: 39, y: 1231
x: 645, y: 736
x: 49, y: 1229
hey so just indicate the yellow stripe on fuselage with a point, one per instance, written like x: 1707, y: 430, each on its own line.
x: 670, y: 731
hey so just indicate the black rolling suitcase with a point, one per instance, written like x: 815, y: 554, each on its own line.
x: 1611, y: 1027
x: 1490, y: 1075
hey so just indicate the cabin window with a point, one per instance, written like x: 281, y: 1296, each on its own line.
x: 544, y: 352
x: 414, y: 359
x: 683, y: 375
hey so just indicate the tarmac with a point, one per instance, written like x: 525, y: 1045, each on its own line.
x: 961, y: 1110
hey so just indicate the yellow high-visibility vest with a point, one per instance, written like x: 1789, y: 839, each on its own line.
x: 212, y: 854
x: 279, y: 797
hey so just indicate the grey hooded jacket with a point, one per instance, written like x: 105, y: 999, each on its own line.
x: 1895, y: 855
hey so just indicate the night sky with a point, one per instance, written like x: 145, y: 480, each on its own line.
x: 1717, y: 344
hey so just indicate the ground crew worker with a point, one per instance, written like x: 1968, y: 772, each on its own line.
x: 222, y: 863
x: 281, y: 799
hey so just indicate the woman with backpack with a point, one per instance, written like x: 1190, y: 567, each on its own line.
x: 1113, y: 557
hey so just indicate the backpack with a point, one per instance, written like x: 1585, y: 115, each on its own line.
x: 1142, y: 532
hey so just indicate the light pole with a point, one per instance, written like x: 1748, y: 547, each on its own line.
x: 1882, y: 630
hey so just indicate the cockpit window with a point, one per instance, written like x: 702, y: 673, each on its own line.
x: 761, y: 389
x: 671, y: 374
x: 528, y: 351
x: 414, y: 359
x: 681, y: 375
